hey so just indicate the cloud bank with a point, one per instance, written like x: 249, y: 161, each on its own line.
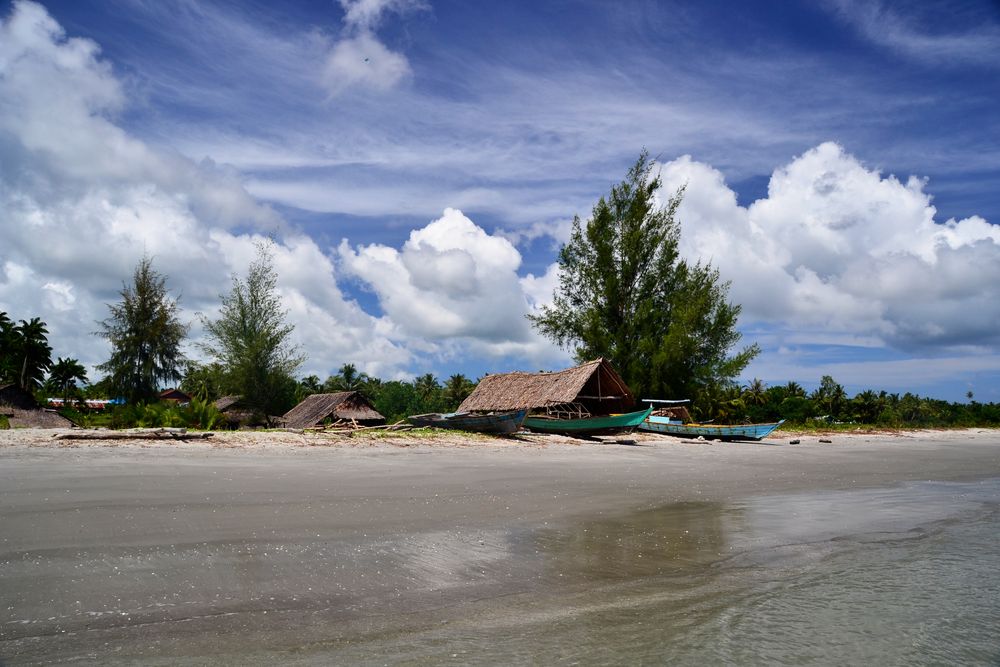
x: 81, y: 201
x: 838, y: 249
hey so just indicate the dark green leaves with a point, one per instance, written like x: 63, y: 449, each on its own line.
x: 145, y: 335
x: 625, y: 294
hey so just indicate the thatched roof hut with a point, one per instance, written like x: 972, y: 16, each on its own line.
x: 22, y: 411
x: 12, y: 396
x: 596, y: 385
x: 235, y: 413
x: 227, y: 403
x: 346, y: 405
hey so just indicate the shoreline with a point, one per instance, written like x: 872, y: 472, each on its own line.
x: 653, y: 468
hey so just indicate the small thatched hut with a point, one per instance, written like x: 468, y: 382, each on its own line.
x: 12, y: 396
x: 234, y: 411
x: 346, y: 405
x: 22, y: 411
x: 227, y: 403
x: 594, y: 385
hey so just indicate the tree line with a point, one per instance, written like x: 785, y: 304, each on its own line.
x: 624, y: 294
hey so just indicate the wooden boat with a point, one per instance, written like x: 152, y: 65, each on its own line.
x: 668, y: 426
x: 587, y: 425
x: 497, y: 423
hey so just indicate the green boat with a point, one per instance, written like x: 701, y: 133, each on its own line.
x: 587, y: 425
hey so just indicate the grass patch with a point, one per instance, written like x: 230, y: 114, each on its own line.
x: 4, y: 422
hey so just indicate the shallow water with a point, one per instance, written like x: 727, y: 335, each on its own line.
x: 904, y: 575
x: 908, y: 575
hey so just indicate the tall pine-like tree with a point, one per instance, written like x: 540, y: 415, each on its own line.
x: 626, y: 294
x: 251, y: 340
x: 145, y: 333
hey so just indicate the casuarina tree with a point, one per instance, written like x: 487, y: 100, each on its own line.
x: 626, y: 294
x: 145, y: 333
x: 252, y: 341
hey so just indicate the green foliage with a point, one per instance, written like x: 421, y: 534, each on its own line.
x: 63, y: 378
x: 250, y: 340
x: 457, y: 389
x: 197, y: 414
x: 830, y: 396
x: 830, y: 407
x: 8, y: 362
x: 25, y: 354
x: 4, y: 423
x: 204, y: 381
x: 626, y: 295
x: 145, y: 335
x: 397, y: 400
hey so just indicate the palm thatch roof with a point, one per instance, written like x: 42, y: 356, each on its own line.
x: 22, y: 411
x: 595, y: 384
x: 12, y: 395
x: 227, y: 402
x: 348, y: 405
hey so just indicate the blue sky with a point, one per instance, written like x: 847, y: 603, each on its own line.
x: 418, y: 164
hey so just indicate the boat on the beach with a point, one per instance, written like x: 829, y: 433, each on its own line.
x: 668, y: 426
x: 673, y: 419
x: 606, y: 424
x: 497, y: 423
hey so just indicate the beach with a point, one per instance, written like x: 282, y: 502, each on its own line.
x: 252, y: 548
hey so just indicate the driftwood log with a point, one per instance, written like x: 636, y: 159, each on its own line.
x: 135, y: 434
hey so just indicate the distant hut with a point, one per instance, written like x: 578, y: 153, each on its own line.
x: 12, y: 396
x: 234, y: 411
x: 349, y: 406
x: 174, y: 396
x: 22, y: 410
x: 593, y: 388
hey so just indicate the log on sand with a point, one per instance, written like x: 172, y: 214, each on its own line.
x: 135, y: 434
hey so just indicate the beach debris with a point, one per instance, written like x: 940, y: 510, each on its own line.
x: 135, y: 434
x: 794, y: 442
x: 826, y: 441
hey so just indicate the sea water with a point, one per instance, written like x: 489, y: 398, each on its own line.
x: 908, y: 575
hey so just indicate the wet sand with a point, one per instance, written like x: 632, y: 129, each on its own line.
x: 251, y: 549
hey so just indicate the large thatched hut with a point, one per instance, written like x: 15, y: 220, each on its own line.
x: 349, y: 406
x: 595, y: 386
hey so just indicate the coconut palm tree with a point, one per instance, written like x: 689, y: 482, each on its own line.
x: 755, y: 392
x: 33, y: 351
x: 63, y: 377
x: 8, y: 364
x: 794, y: 389
x: 426, y: 385
x: 457, y: 389
x: 868, y: 405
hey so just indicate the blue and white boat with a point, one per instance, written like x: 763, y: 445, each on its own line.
x: 676, y: 427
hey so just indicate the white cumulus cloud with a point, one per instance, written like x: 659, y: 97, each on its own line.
x: 452, y: 280
x: 360, y: 59
x: 81, y: 201
x: 837, y: 247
